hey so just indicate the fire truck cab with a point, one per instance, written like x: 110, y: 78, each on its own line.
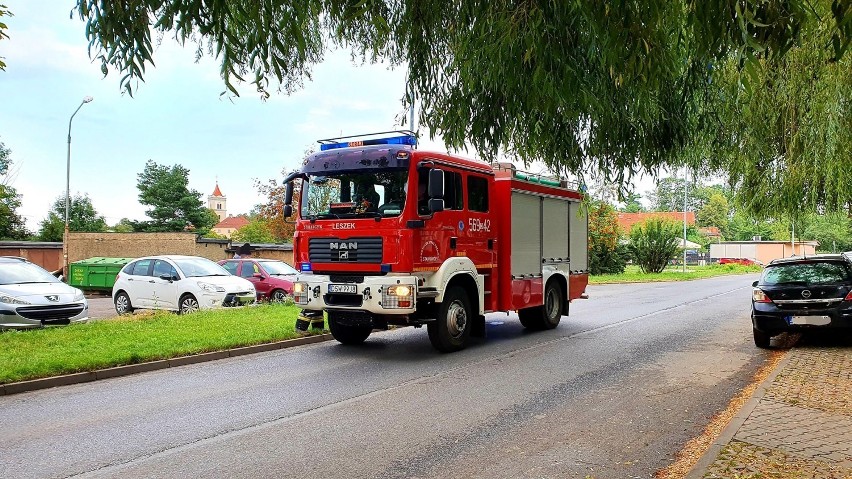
x: 387, y: 234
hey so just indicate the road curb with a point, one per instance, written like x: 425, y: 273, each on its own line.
x: 114, y: 372
x: 736, y: 422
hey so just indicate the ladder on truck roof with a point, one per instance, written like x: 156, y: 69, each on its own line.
x: 537, y: 178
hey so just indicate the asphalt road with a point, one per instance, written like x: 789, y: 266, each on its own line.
x: 614, y: 392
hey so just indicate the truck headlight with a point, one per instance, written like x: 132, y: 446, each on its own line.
x: 400, y: 296
x: 300, y: 293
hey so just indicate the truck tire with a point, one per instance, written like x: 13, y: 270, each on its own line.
x: 451, y: 331
x: 761, y: 338
x: 546, y: 316
x: 346, y: 334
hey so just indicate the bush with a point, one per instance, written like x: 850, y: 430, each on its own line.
x: 606, y: 254
x: 653, y: 243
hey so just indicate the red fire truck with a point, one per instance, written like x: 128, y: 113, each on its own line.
x: 389, y: 234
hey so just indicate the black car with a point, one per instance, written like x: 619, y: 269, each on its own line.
x: 801, y: 293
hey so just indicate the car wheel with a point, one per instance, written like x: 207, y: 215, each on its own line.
x: 548, y: 315
x: 278, y: 296
x: 188, y: 304
x: 122, y: 303
x: 761, y: 338
x: 451, y: 331
x: 347, y: 334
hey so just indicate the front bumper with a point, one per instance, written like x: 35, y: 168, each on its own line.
x: 39, y: 316
x: 768, y: 317
x: 370, y: 294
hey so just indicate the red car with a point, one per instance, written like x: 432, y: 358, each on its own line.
x: 743, y: 261
x: 272, y: 279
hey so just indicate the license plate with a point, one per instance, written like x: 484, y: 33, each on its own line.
x: 810, y: 320
x: 342, y: 288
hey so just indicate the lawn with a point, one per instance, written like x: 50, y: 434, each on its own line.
x: 675, y: 273
x: 139, y: 338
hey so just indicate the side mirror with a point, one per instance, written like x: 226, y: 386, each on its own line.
x: 436, y: 184
x: 167, y: 277
x: 754, y: 285
x: 258, y: 276
x: 436, y: 205
x: 288, y: 200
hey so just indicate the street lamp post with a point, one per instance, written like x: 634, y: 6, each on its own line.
x: 86, y: 99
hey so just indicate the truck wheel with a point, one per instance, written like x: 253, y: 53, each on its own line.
x: 451, y: 331
x: 346, y: 334
x: 761, y: 338
x: 548, y: 315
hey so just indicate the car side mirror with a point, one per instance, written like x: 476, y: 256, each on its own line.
x: 167, y: 277
x: 258, y: 276
x: 754, y: 285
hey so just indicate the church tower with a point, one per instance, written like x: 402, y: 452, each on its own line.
x: 218, y: 203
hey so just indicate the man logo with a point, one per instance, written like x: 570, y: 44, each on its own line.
x: 343, y: 255
x: 342, y: 245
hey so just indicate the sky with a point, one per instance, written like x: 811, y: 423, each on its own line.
x: 176, y: 116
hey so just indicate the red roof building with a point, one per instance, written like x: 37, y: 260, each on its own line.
x: 627, y: 220
x: 227, y: 226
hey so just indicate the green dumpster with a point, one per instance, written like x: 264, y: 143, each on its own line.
x: 95, y: 273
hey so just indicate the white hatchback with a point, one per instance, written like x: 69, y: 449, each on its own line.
x: 178, y: 283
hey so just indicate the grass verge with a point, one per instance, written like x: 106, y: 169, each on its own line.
x: 135, y: 339
x: 632, y: 274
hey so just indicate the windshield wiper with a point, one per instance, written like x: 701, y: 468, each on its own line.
x: 323, y: 216
x: 370, y: 214
x: 797, y: 283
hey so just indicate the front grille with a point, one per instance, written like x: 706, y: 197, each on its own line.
x: 51, y: 312
x: 351, y: 250
x: 351, y: 300
x: 233, y: 299
x: 346, y: 278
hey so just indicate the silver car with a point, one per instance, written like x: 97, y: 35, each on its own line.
x: 30, y: 297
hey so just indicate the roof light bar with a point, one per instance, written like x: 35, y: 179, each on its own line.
x: 333, y: 144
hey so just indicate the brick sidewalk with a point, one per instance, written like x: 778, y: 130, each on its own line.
x: 798, y: 424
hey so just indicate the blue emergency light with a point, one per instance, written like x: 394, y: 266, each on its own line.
x: 410, y: 140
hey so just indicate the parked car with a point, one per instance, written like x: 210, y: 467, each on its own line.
x: 31, y: 297
x: 802, y: 293
x: 272, y: 279
x: 178, y: 283
x: 743, y: 261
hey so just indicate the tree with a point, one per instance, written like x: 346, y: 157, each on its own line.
x: 632, y: 204
x: 124, y: 225
x: 12, y: 226
x: 668, y: 195
x: 257, y: 231
x: 82, y: 216
x: 612, y: 87
x: 271, y: 211
x: 654, y: 243
x: 174, y: 207
x: 714, y: 213
x: 4, y: 12
x: 606, y: 254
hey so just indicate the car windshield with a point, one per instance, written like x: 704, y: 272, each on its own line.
x: 354, y: 194
x: 809, y: 273
x: 195, y: 267
x: 23, y: 273
x: 278, y: 267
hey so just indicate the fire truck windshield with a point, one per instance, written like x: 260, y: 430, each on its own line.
x: 354, y: 194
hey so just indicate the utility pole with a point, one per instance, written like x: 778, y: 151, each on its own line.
x: 685, y: 184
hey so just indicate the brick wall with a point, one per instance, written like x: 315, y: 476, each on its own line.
x: 285, y: 256
x: 133, y: 245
